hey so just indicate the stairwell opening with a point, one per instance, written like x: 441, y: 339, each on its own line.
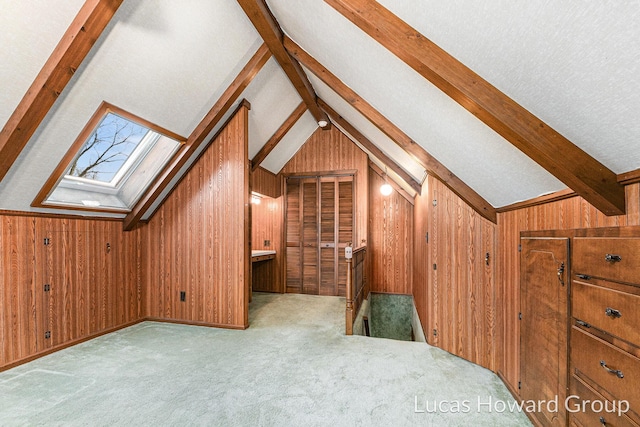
x: 389, y: 316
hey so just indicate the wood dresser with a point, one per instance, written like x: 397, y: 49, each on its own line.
x: 581, y: 343
x: 605, y: 329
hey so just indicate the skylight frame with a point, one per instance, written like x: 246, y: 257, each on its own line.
x: 115, y: 185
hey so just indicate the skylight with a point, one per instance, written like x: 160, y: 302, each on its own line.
x: 111, y: 164
x: 109, y: 149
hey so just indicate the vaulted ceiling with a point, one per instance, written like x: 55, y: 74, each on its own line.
x: 503, y: 101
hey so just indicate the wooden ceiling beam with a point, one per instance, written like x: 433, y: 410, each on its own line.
x: 430, y: 163
x: 278, y: 135
x: 197, y: 137
x: 370, y: 146
x: 265, y: 23
x: 77, y: 41
x: 559, y: 156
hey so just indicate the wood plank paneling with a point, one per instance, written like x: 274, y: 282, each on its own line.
x: 390, y: 240
x: 267, y: 221
x: 569, y: 213
x: 331, y: 150
x: 18, y: 288
x: 198, y: 240
x: 93, y: 289
x: 454, y: 286
x: 266, y: 183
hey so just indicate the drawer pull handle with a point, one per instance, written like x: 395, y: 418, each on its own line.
x: 612, y: 312
x: 612, y: 258
x: 602, y: 421
x: 618, y: 373
x: 583, y: 276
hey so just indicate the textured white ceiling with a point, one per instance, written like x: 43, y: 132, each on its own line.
x: 291, y: 143
x: 29, y: 31
x: 574, y: 64
x: 365, y: 127
x: 273, y: 98
x: 470, y: 149
x: 160, y: 60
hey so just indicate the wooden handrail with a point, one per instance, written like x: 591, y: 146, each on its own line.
x: 349, y: 310
x: 354, y: 289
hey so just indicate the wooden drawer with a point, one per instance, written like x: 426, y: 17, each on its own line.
x: 583, y: 402
x: 610, y: 310
x: 588, y: 353
x: 609, y: 258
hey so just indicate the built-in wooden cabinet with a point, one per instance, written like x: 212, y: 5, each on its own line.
x: 319, y: 224
x: 543, y: 325
x: 63, y: 281
x: 580, y: 325
x: 605, y: 332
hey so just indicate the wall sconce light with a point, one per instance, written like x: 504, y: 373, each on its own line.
x: 255, y: 199
x: 323, y: 123
x: 386, y: 189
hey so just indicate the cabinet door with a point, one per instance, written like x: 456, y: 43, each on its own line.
x: 543, y: 328
x: 328, y: 237
x: 293, y: 240
x: 310, y: 249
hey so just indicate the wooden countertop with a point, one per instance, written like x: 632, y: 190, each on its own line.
x: 262, y: 255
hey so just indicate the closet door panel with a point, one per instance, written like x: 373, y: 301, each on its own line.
x: 319, y: 227
x: 543, y: 328
x: 328, y: 237
x: 344, y: 230
x: 294, y: 240
x: 310, y: 250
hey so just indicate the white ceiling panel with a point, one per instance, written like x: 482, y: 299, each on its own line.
x: 273, y: 98
x: 370, y: 131
x: 470, y: 149
x: 389, y: 172
x: 574, y: 64
x: 291, y: 143
x: 29, y: 31
x: 164, y: 61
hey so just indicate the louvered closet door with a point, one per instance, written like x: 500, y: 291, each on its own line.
x: 294, y: 239
x: 328, y: 237
x: 319, y: 226
x: 310, y: 254
x: 345, y: 229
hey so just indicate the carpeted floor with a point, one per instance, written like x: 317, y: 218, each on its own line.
x: 292, y: 367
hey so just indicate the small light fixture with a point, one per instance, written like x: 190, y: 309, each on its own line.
x: 323, y: 123
x: 255, y: 199
x: 386, y: 189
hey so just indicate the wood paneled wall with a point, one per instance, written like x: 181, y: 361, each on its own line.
x: 198, y: 241
x: 331, y: 150
x: 266, y: 183
x: 564, y: 214
x: 453, y: 286
x: 94, y: 288
x: 267, y: 222
x: 390, y: 240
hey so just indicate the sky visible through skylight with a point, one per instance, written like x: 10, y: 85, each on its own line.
x: 107, y: 149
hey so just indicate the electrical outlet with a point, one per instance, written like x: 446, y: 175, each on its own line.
x: 183, y: 296
x: 267, y: 243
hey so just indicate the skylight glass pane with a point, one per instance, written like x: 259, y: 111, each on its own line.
x: 107, y: 149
